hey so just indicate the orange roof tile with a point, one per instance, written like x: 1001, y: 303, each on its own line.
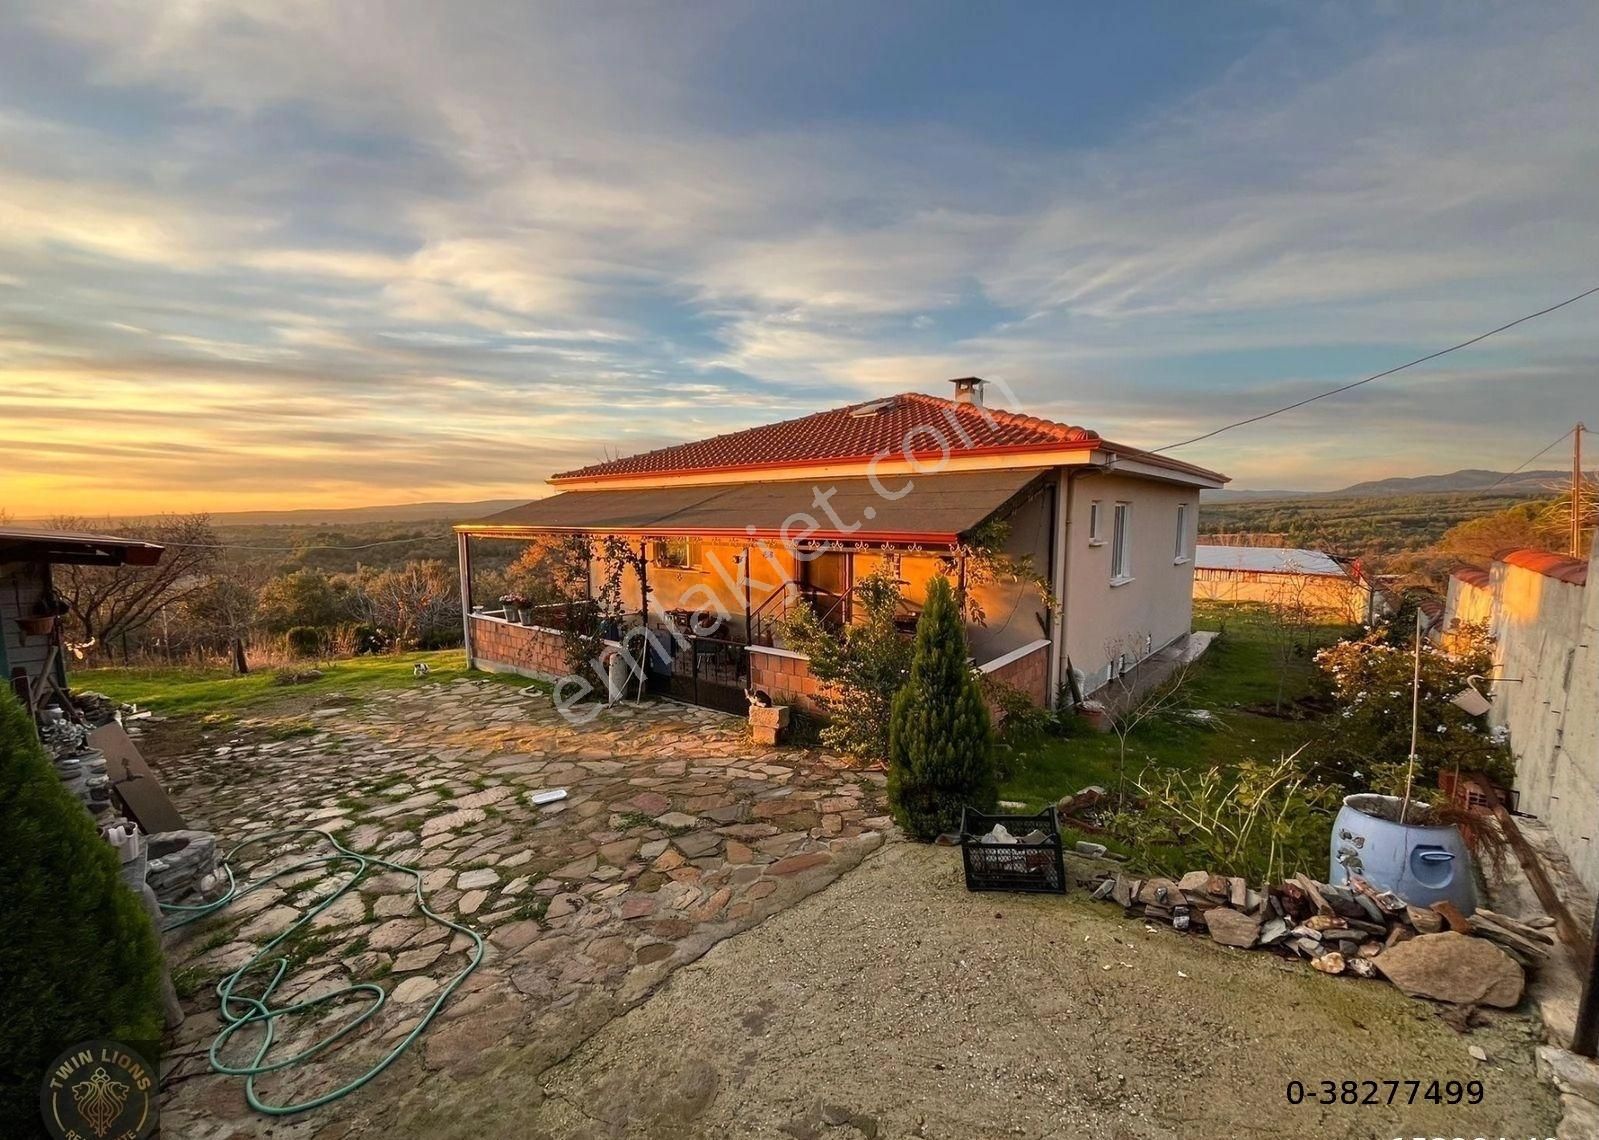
x: 1556, y: 566
x: 924, y: 426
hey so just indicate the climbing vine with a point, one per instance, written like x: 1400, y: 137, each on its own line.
x: 597, y: 615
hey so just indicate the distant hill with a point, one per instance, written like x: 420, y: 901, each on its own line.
x: 398, y: 512
x: 1531, y: 484
x: 335, y: 516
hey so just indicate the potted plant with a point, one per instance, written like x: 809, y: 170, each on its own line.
x: 514, y: 605
x: 47, y: 614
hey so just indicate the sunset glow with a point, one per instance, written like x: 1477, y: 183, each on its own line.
x: 282, y: 256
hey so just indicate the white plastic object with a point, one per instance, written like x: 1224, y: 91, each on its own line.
x: 547, y: 796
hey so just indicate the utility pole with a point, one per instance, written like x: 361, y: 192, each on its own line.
x: 1576, y: 490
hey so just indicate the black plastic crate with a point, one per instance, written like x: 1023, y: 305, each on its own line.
x: 1013, y: 867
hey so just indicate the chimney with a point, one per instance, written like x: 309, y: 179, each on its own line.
x: 969, y: 390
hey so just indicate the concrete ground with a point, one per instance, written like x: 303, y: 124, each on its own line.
x: 895, y: 1004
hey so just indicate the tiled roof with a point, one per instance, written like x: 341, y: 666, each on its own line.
x: 853, y: 433
x: 1472, y: 576
x: 1556, y: 566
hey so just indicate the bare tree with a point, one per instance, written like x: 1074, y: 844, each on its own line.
x: 411, y: 601
x: 1292, y: 613
x: 1130, y: 707
x: 110, y: 602
x: 224, y: 609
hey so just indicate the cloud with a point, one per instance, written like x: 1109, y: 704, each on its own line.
x: 494, y: 242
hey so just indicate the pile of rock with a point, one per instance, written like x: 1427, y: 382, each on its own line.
x: 1357, y: 930
x: 183, y: 867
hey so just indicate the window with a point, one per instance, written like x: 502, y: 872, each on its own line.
x: 1180, y: 552
x: 677, y: 553
x: 1121, y: 569
x: 1096, y: 536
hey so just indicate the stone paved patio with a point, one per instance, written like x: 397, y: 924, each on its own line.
x: 676, y: 832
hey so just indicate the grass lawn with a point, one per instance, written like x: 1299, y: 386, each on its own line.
x: 199, y: 691
x: 1237, y: 680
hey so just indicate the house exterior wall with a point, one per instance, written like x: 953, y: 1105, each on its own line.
x: 1342, y: 598
x: 1546, y: 693
x: 1015, y: 613
x: 1152, y: 609
x: 715, y: 584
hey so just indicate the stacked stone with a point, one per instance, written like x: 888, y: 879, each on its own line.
x: 1355, y: 930
x: 183, y: 867
x: 81, y: 768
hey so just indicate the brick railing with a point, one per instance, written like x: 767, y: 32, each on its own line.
x: 504, y: 647
x: 1026, y: 669
x: 786, y: 675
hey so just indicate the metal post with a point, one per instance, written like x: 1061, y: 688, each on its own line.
x: 1415, y: 707
x: 1576, y: 490
x: 463, y: 556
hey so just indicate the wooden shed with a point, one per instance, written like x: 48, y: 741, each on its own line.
x: 31, y: 649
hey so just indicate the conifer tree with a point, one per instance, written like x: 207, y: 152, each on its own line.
x: 940, y: 740
x: 78, y: 954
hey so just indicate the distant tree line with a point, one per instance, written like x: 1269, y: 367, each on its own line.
x: 1414, y: 540
x: 210, y: 598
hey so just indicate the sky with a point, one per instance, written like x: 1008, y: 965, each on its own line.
x: 291, y: 254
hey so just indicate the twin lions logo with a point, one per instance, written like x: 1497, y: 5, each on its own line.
x: 99, y: 1090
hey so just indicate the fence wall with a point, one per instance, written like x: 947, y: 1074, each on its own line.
x: 1545, y: 622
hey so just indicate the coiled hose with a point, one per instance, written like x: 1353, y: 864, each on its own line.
x: 240, y: 1010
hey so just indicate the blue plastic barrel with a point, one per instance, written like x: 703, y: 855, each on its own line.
x: 1420, y: 863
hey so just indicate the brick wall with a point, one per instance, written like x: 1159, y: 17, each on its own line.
x: 500, y: 646
x: 1028, y: 671
x: 786, y: 677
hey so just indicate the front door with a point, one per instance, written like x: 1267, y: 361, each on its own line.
x: 826, y: 580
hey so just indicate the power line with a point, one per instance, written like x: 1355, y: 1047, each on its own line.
x: 1388, y: 372
x: 1517, y: 469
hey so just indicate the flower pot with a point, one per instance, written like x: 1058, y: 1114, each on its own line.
x: 37, y: 626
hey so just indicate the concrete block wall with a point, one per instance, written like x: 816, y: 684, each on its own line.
x: 1545, y: 622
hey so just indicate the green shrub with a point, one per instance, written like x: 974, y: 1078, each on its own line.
x: 78, y: 953
x: 304, y: 640
x: 1370, y: 680
x: 1262, y: 820
x: 940, y: 742
x: 862, y: 667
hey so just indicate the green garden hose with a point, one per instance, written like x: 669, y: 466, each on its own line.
x: 240, y: 1010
